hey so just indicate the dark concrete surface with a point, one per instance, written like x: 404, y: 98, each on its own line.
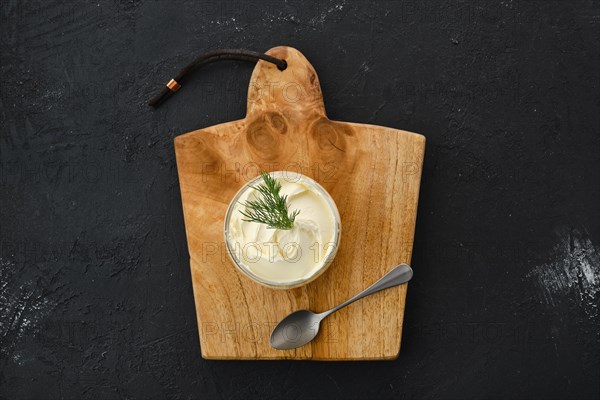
x: 95, y: 292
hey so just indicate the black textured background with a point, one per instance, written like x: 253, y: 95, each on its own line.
x: 95, y: 292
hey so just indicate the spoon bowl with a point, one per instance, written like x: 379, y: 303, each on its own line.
x: 300, y: 327
x: 295, y: 330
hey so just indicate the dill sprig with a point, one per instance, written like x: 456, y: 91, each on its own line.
x: 272, y: 208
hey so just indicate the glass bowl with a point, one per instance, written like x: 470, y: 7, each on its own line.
x: 285, y: 259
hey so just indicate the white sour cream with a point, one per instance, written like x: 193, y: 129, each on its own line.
x: 285, y: 257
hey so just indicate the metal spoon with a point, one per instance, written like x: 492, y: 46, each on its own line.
x: 300, y: 327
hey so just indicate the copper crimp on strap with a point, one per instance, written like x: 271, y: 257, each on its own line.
x: 173, y: 85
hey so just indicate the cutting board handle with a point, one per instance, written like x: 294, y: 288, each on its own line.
x: 294, y: 92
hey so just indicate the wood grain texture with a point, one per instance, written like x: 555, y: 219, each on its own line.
x: 373, y: 174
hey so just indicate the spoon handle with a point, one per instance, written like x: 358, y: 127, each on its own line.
x: 397, y: 276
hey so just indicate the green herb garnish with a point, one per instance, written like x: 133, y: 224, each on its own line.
x: 272, y: 208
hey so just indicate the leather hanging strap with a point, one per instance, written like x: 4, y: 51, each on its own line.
x: 209, y: 57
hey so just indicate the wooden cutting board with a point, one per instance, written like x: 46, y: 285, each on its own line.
x: 373, y: 174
